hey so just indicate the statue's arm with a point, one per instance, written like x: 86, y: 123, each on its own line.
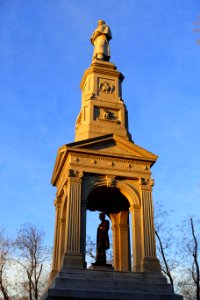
x: 105, y: 226
x: 95, y: 34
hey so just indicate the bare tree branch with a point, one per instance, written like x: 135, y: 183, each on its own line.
x: 32, y: 254
x: 5, y: 245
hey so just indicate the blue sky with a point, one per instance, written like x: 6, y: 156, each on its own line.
x: 44, y: 50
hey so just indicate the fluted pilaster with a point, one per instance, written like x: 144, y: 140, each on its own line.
x: 150, y: 261
x: 72, y: 257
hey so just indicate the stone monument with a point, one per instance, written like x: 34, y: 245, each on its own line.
x: 104, y: 170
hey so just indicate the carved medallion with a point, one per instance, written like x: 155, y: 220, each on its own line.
x: 106, y: 88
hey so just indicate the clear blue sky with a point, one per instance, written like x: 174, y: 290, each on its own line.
x: 44, y: 50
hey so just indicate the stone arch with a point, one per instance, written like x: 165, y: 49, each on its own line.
x: 124, y: 187
x: 129, y: 192
x: 120, y: 218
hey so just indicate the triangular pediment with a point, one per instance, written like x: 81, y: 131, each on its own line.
x: 113, y: 145
x: 107, y: 145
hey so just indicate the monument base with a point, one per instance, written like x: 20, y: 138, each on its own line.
x: 74, y: 261
x: 97, y: 284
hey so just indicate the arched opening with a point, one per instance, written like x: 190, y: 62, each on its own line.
x: 108, y: 200
x: 116, y: 206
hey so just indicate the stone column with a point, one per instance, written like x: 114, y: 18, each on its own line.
x: 121, y: 249
x: 124, y: 241
x: 115, y: 236
x: 137, y: 237
x: 83, y: 229
x: 55, y: 262
x: 62, y: 241
x: 149, y: 263
x: 73, y: 257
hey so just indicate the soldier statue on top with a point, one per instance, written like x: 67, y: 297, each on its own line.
x: 100, y: 39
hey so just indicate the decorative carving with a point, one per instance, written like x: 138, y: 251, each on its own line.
x: 57, y: 202
x: 146, y: 183
x: 102, y: 161
x: 72, y: 173
x: 106, y: 88
x: 80, y: 174
x: 92, y: 96
x: 143, y: 181
x: 111, y: 182
x: 112, y: 164
x: 109, y: 115
x: 75, y: 173
x: 151, y: 182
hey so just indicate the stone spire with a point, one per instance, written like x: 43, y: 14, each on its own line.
x: 103, y: 110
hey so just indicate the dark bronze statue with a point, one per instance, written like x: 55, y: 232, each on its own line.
x: 102, y: 241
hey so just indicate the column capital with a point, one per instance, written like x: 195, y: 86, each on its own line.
x: 146, y: 184
x: 133, y: 207
x: 115, y: 227
x: 57, y: 202
x: 75, y: 175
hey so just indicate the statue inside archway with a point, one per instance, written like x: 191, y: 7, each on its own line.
x: 102, y: 241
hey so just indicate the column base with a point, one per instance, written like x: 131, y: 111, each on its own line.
x: 137, y: 268
x: 150, y: 265
x: 73, y: 261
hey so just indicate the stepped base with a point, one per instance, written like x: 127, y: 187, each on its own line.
x: 97, y: 284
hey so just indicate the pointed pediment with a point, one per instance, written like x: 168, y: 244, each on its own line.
x: 109, y: 145
x: 112, y: 144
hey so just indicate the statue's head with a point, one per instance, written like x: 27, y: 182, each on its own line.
x: 101, y: 22
x: 101, y: 216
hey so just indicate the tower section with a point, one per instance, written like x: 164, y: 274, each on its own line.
x: 103, y: 110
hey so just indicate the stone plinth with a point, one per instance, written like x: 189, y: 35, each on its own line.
x: 96, y: 284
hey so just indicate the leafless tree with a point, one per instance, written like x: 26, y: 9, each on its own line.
x: 90, y: 248
x: 165, y: 243
x: 5, y: 246
x: 32, y: 256
x: 190, y: 284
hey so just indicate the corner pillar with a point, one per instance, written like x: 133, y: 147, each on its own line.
x: 149, y: 262
x: 55, y: 262
x: 72, y: 257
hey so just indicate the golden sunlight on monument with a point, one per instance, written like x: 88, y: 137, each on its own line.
x: 104, y: 170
